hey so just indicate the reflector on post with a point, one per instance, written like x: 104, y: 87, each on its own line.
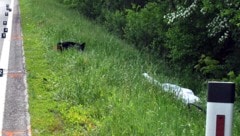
x: 4, y: 22
x: 221, y: 96
x: 3, y: 35
x: 5, y: 30
x: 1, y: 72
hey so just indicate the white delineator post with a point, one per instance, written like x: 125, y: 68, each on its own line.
x: 221, y: 96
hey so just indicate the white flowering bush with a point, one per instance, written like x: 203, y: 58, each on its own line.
x: 181, y: 12
x: 218, y: 25
x: 204, y: 27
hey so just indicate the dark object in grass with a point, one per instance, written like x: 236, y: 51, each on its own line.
x: 66, y: 45
x: 196, y: 106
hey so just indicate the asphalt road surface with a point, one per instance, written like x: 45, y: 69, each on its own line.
x: 14, y: 116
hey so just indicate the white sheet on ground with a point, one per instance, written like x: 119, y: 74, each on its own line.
x: 185, y: 94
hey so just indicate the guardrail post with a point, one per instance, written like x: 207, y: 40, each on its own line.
x: 221, y: 96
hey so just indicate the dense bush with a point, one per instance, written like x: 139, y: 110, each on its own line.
x: 115, y: 21
x: 145, y: 26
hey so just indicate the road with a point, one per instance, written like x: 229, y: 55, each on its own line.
x: 14, y: 116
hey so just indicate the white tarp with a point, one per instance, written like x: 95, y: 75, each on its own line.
x: 185, y: 94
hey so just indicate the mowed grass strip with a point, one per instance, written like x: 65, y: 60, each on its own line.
x: 100, y: 91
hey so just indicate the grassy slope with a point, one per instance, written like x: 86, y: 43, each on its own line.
x: 98, y: 92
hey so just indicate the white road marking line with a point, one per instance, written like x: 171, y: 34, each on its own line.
x: 4, y: 64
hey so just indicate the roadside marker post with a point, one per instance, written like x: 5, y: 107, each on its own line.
x: 220, y: 101
x: 1, y: 72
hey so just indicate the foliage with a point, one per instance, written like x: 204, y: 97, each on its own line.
x: 223, y: 29
x: 145, y: 26
x: 115, y: 21
x: 208, y: 66
x: 236, y: 79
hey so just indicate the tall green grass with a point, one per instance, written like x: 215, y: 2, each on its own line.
x: 100, y: 91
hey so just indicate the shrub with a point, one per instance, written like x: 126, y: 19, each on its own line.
x: 236, y: 79
x: 145, y: 26
x: 115, y: 21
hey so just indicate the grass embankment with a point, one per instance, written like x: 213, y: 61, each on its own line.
x: 100, y: 91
